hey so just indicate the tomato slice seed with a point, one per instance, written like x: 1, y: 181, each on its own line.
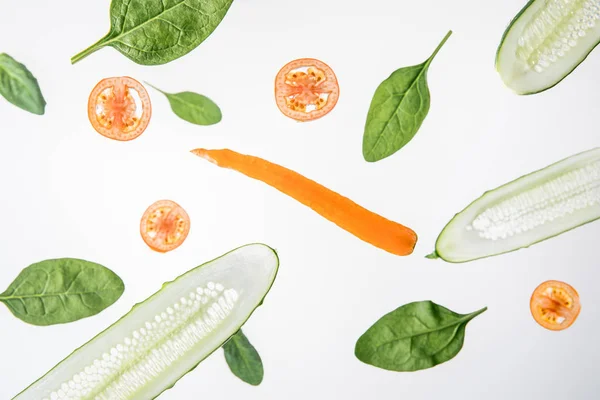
x: 121, y: 108
x: 305, y: 92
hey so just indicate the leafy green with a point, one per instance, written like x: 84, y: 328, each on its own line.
x: 193, y: 107
x: 153, y: 32
x: 399, y: 107
x: 415, y: 336
x: 243, y: 359
x: 61, y: 290
x: 19, y: 86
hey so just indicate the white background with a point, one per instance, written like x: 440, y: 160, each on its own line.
x: 69, y: 192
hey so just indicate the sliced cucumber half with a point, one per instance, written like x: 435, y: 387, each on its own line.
x: 526, y: 211
x: 167, y: 335
x: 546, y: 41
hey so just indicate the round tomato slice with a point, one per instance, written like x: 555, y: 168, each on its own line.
x: 555, y: 305
x: 306, y: 89
x: 119, y: 108
x: 164, y: 226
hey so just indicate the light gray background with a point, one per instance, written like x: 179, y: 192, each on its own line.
x: 69, y: 192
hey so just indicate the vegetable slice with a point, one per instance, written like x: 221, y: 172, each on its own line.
x: 416, y: 336
x: 362, y: 223
x: 555, y: 305
x: 306, y: 89
x: 161, y: 339
x: 61, y: 290
x: 164, y: 226
x: 525, y: 211
x: 19, y: 86
x: 546, y: 41
x: 153, y: 32
x: 119, y: 108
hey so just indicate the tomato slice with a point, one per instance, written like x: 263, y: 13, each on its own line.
x: 306, y: 89
x: 119, y: 108
x: 164, y: 226
x: 555, y: 305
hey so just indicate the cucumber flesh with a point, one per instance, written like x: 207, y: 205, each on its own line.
x: 167, y: 335
x: 546, y: 41
x: 528, y: 210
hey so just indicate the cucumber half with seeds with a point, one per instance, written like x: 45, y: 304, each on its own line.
x: 526, y: 211
x: 161, y: 339
x: 546, y: 41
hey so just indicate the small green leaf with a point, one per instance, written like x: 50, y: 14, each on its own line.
x: 415, y: 336
x: 243, y: 359
x: 153, y: 32
x: 398, y: 109
x: 61, y: 290
x: 19, y: 86
x: 432, y: 256
x: 193, y: 107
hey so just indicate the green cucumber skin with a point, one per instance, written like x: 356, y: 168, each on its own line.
x: 154, y: 295
x: 529, y: 3
x: 439, y: 254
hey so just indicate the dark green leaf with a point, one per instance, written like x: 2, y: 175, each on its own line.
x: 193, y: 107
x: 415, y: 336
x: 152, y: 32
x: 61, y: 290
x: 243, y: 359
x: 19, y: 86
x: 398, y: 109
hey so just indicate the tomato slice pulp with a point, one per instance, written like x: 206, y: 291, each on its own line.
x: 306, y: 89
x: 119, y: 108
x: 164, y: 226
x: 555, y: 305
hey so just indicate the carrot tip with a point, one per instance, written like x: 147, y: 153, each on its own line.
x: 203, y: 153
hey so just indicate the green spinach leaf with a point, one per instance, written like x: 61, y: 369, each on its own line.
x: 19, y: 86
x: 61, y: 290
x: 153, y: 32
x: 415, y: 336
x: 193, y: 107
x: 398, y: 109
x: 243, y: 359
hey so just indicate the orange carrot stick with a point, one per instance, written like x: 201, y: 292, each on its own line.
x: 362, y: 223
